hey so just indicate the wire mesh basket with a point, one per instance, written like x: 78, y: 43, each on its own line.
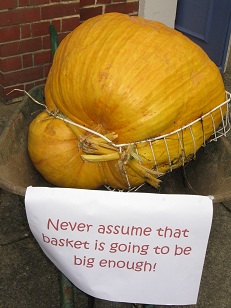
x: 177, y: 147
x: 17, y: 171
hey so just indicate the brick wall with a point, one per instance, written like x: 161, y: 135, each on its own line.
x: 25, y: 41
x: 90, y: 8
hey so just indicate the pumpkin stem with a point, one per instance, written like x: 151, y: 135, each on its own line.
x: 149, y: 175
x: 100, y: 158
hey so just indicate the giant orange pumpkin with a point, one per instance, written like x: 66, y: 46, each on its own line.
x: 131, y: 81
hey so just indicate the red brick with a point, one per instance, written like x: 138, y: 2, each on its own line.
x: 24, y: 75
x: 28, y: 86
x: 86, y: 13
x: 27, y: 60
x: 40, y: 2
x: 124, y: 8
x: 87, y: 2
x: 9, y: 4
x: 40, y: 82
x: 42, y: 57
x: 19, y: 16
x: 59, y: 10
x: 46, y: 69
x: 69, y: 24
x: 20, y: 47
x: 40, y: 28
x: 136, y: 7
x: 24, y: 3
x: 103, y: 1
x: 8, y: 34
x: 31, y: 85
x: 25, y: 31
x: 46, y: 42
x: 2, y: 93
x: 1, y: 78
x: 11, y: 64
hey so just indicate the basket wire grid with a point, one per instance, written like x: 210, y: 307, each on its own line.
x: 222, y: 130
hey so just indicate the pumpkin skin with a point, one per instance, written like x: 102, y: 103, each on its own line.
x: 137, y: 79
x: 55, y: 153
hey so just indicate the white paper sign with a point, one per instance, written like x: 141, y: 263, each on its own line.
x: 124, y: 247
